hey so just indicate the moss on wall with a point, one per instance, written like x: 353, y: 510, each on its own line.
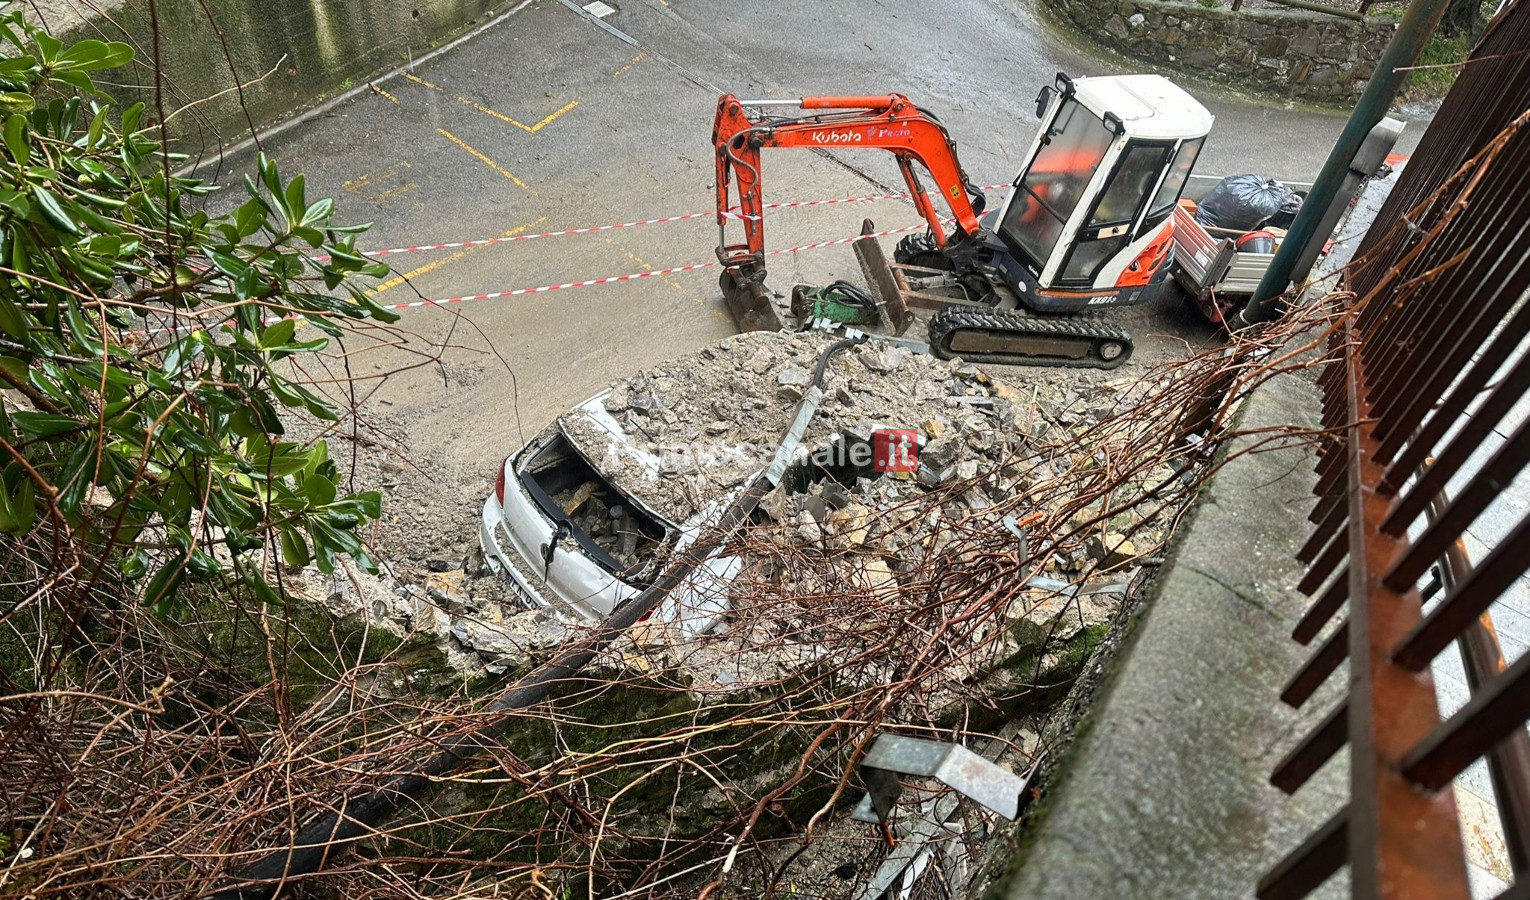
x: 302, y: 52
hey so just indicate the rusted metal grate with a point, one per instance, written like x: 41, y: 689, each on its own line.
x: 1427, y: 363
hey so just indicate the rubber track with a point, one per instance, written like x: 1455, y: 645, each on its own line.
x: 953, y: 319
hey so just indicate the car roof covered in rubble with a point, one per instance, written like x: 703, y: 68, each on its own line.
x: 682, y: 434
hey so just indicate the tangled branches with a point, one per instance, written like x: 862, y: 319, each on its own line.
x: 181, y: 749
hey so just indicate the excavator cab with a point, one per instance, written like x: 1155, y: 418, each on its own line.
x: 1088, y: 221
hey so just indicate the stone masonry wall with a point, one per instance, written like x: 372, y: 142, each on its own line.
x: 1293, y: 53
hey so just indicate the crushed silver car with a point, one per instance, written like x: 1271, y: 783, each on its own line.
x: 589, y: 511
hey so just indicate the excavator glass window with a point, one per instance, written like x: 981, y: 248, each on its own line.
x: 1109, y: 228
x: 1053, y: 186
x: 1174, y: 182
x: 1129, y: 186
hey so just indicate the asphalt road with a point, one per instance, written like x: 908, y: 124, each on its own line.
x: 545, y: 122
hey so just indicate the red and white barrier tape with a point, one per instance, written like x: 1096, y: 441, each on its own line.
x: 654, y: 273
x: 733, y: 214
x: 610, y: 279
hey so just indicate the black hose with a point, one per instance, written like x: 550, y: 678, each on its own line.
x: 849, y: 294
x: 828, y: 353
x: 356, y: 818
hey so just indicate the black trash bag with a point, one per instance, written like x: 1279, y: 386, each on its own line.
x: 1289, y: 207
x: 1246, y: 203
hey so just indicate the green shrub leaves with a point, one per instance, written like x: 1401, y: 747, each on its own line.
x: 149, y: 351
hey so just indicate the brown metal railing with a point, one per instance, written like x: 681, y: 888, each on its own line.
x: 1428, y: 362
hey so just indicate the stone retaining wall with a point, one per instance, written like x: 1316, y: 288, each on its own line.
x: 1290, y: 53
x: 313, y: 49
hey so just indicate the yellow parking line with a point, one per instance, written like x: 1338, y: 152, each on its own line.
x: 529, y: 129
x: 478, y: 155
x: 475, y: 152
x: 648, y: 267
x: 566, y: 107
x: 388, y: 196
x: 623, y: 70
x: 397, y: 280
x: 355, y: 185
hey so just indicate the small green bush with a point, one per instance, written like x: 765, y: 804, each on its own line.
x: 1441, y: 53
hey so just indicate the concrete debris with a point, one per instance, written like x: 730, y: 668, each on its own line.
x: 940, y: 453
x: 988, y: 449
x: 510, y: 641
x: 608, y: 525
x: 693, y: 430
x: 1110, y: 550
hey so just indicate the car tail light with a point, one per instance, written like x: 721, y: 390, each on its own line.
x: 499, y: 482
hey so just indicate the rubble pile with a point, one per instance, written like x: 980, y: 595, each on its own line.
x: 991, y: 454
x: 711, y: 420
x: 695, y: 429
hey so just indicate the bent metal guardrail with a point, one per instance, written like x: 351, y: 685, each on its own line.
x: 1426, y: 364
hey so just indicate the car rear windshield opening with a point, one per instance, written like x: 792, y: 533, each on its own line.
x: 615, y: 533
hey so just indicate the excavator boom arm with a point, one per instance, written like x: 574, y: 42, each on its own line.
x: 889, y: 122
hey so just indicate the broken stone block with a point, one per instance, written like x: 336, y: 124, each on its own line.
x: 796, y: 376
x: 875, y: 573
x: 976, y: 500
x: 776, y: 505
x: 1110, y: 550
x: 981, y: 439
x: 807, y: 529
x: 889, y: 359
x: 940, y: 453
x: 930, y: 478
x: 511, y: 639
x: 617, y: 400
x: 760, y: 362
x: 928, y: 390
x: 851, y: 523
x: 837, y: 495
x: 934, y: 428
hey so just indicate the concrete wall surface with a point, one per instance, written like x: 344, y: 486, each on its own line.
x: 1165, y: 794
x: 1292, y: 53
x: 312, y: 49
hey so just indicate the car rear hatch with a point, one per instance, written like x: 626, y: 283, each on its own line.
x: 588, y: 543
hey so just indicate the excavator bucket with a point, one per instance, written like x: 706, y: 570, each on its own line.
x: 750, y: 303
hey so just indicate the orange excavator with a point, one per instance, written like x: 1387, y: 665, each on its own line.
x: 1087, y: 226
